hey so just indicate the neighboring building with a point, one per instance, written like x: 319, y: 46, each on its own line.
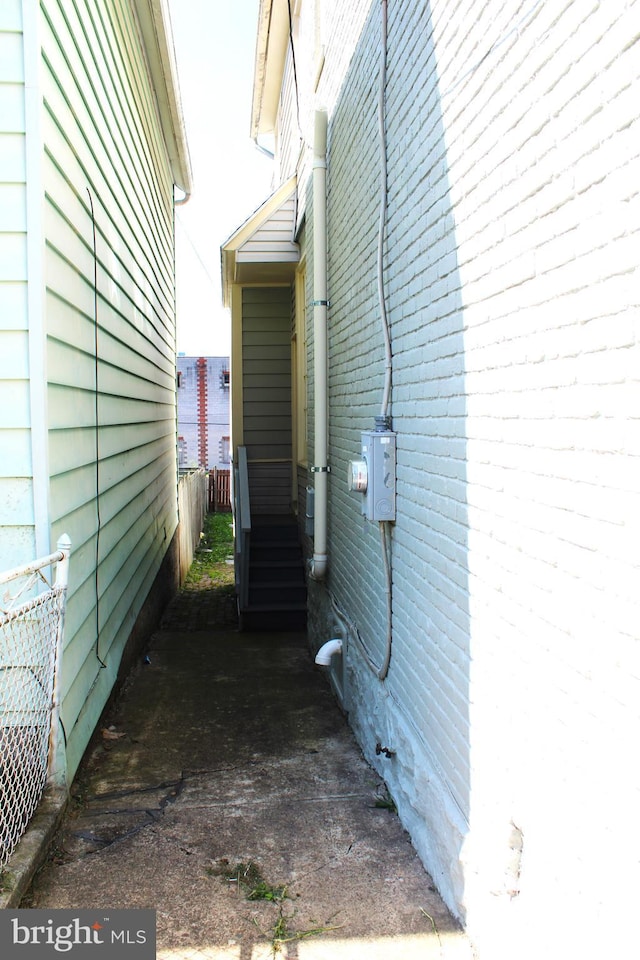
x: 91, y: 147
x: 203, y: 412
x: 482, y: 194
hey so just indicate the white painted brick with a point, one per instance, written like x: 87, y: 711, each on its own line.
x: 511, y: 273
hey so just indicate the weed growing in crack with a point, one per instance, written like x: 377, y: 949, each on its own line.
x: 247, y: 877
x: 264, y: 891
x: 282, y: 934
x: 384, y: 801
x: 433, y: 925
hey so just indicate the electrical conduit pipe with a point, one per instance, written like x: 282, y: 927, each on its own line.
x: 318, y: 569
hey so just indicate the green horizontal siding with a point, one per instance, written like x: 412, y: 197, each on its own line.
x: 266, y: 384
x: 17, y: 528
x: 111, y: 344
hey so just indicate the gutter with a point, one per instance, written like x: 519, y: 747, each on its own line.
x: 272, y: 42
x: 154, y: 22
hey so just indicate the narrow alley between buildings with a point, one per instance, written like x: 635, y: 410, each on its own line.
x: 225, y: 790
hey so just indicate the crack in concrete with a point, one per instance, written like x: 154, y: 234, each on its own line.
x: 109, y: 841
x: 151, y: 815
x: 135, y: 791
x: 269, y: 801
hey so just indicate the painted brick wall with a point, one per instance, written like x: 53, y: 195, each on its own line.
x: 542, y: 154
x: 510, y: 267
x: 421, y: 712
x: 217, y: 412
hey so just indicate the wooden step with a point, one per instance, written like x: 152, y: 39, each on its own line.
x: 268, y: 620
x: 277, y: 595
x: 276, y: 571
x: 278, y: 532
x: 271, y: 552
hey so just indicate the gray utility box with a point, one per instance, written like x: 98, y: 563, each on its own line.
x: 378, y: 450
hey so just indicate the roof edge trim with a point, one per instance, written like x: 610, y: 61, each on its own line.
x: 157, y: 37
x: 247, y: 229
x: 272, y: 41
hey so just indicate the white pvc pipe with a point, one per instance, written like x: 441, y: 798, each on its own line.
x: 327, y: 651
x: 386, y: 395
x: 385, y: 535
x: 318, y: 569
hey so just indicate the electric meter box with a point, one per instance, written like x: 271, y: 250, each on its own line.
x: 378, y: 450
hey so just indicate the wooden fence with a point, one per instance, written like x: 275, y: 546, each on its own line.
x: 192, y: 506
x: 219, y: 490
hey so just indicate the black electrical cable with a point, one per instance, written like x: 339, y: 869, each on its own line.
x: 293, y: 62
x: 97, y: 427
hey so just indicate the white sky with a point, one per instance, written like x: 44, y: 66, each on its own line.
x: 215, y: 44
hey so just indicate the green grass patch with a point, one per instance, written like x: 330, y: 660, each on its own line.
x: 211, y: 565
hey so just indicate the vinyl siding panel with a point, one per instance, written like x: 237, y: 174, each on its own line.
x: 16, y: 484
x: 111, y: 337
x: 273, y: 240
x: 13, y: 208
x: 12, y: 156
x: 13, y: 257
x: 13, y: 305
x: 287, y: 124
x: 266, y: 379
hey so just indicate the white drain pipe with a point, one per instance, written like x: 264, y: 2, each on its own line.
x: 327, y: 651
x: 320, y: 469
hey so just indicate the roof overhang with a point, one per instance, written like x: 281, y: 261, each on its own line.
x: 242, y: 263
x: 157, y: 38
x: 271, y: 52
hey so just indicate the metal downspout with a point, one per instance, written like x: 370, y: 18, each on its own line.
x: 320, y: 469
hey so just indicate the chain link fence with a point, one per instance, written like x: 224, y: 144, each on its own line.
x: 32, y: 608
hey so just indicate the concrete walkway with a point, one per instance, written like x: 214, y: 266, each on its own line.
x: 226, y: 791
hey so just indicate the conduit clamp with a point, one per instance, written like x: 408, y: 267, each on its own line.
x: 321, y: 303
x: 326, y: 469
